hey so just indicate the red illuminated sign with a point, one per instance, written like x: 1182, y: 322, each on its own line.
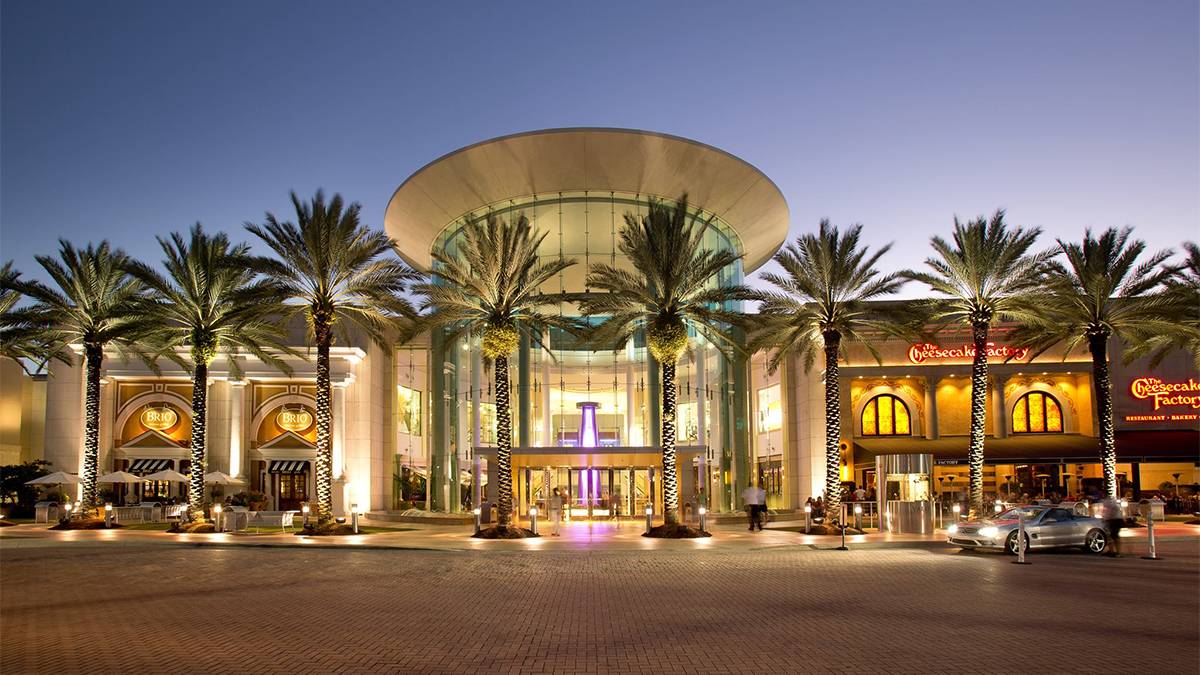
x: 920, y: 353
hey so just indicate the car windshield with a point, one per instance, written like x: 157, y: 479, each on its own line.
x: 1030, y: 512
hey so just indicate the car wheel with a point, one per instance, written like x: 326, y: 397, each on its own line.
x: 1096, y: 541
x: 1010, y: 544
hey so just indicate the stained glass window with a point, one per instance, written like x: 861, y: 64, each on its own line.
x: 1037, y: 412
x: 886, y: 415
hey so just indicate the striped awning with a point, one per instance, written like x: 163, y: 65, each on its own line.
x: 287, y: 466
x: 141, y: 466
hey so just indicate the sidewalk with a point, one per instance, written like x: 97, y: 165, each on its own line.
x: 575, y: 537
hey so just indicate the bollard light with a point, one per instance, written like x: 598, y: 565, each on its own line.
x: 957, y: 511
x: 108, y: 514
x: 998, y: 507
x: 857, y: 510
x: 476, y: 511
x: 533, y: 511
x: 354, y: 517
x: 217, y: 509
x: 703, y: 512
x: 306, y: 509
x: 649, y: 518
x: 807, y: 518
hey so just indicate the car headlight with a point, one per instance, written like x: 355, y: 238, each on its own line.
x: 952, y: 529
x: 988, y: 532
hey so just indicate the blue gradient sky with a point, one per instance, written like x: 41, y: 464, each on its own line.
x: 123, y: 120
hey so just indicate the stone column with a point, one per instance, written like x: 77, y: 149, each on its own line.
x: 339, y: 430
x: 237, y: 431
x: 931, y: 411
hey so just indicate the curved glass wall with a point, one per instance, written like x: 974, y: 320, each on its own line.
x: 550, y: 388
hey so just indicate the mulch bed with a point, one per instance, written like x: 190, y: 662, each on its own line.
x: 504, y: 532
x: 676, y: 531
x: 326, y: 530
x: 826, y: 530
x: 84, y: 524
x: 5, y: 523
x: 192, y: 528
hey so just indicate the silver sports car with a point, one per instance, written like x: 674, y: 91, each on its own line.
x: 1045, y: 527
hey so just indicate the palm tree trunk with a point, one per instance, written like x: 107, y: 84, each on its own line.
x: 94, y: 358
x: 199, y: 440
x: 670, y: 480
x: 503, y: 477
x: 833, y: 428
x: 979, y: 379
x: 1098, y: 345
x: 324, y: 464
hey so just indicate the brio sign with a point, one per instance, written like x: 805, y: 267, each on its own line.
x: 295, y: 420
x: 923, y: 352
x: 159, y: 418
x: 1167, y: 393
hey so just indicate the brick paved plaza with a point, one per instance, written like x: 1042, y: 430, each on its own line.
x: 92, y: 606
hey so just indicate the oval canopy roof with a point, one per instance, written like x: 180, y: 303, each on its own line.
x: 593, y: 159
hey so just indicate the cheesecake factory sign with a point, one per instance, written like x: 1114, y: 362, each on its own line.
x: 1168, y: 400
x: 930, y: 353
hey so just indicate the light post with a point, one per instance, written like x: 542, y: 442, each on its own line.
x: 842, y: 527
x: 354, y: 517
x: 1020, y: 538
x: 476, y: 511
x: 703, y: 512
x: 306, y: 509
x: 998, y: 507
x: 957, y: 509
x: 533, y: 519
x: 807, y: 517
x: 217, y: 516
x: 108, y: 514
x: 858, y: 517
x: 649, y: 518
x: 66, y: 512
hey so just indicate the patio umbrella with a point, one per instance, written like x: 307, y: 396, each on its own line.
x: 167, y: 475
x: 56, y: 478
x: 221, y: 478
x: 121, y: 477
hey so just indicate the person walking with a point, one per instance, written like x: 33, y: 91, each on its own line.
x: 556, y: 504
x: 750, y: 499
x: 760, y: 496
x: 1114, y: 519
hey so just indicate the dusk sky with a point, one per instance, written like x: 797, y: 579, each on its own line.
x: 125, y: 120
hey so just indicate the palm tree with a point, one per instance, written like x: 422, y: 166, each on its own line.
x: 819, y: 306
x: 96, y: 303
x: 1183, y: 290
x: 23, y: 339
x: 491, y: 289
x: 209, y: 299
x: 987, y: 273
x: 672, y: 286
x: 337, y: 271
x: 1104, y: 291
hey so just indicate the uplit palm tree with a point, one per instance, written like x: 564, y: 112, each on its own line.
x: 673, y: 285
x: 987, y: 273
x: 23, y: 339
x: 96, y: 303
x: 1182, y: 288
x: 336, y: 271
x: 1104, y: 291
x: 491, y: 289
x: 820, y: 306
x: 209, y: 300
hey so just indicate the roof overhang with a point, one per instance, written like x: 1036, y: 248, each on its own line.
x: 592, y: 159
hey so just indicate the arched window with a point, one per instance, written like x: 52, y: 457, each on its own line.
x: 885, y: 415
x: 1037, y: 413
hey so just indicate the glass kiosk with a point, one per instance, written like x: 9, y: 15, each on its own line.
x: 905, y: 493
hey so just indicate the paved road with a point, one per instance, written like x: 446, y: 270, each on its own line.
x: 124, y: 608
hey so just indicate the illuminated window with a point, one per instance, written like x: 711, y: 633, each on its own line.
x: 770, y: 409
x: 1037, y: 413
x: 885, y: 415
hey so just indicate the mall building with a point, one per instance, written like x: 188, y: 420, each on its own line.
x: 415, y: 424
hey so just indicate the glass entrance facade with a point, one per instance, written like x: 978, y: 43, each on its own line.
x: 572, y: 397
